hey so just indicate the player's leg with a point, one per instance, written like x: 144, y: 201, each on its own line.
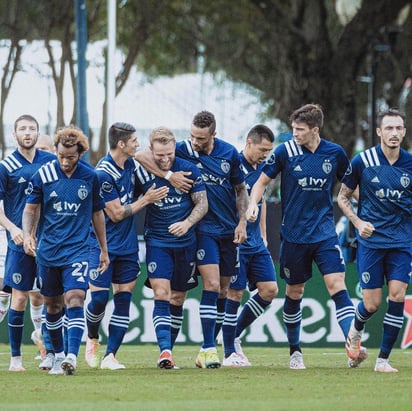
x: 4, y: 296
x: 176, y: 314
x: 36, y: 312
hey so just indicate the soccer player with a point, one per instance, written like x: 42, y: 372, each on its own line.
x: 170, y: 240
x: 65, y: 193
x: 117, y: 186
x: 223, y: 228
x: 16, y: 170
x: 308, y: 165
x: 256, y: 265
x: 384, y: 231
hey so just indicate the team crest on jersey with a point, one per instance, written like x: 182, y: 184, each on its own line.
x: 271, y: 159
x: 107, y: 187
x: 327, y: 166
x: 366, y: 277
x: 93, y: 274
x: 405, y: 180
x: 17, y: 277
x: 151, y: 267
x: 82, y: 192
x: 200, y: 254
x: 225, y: 166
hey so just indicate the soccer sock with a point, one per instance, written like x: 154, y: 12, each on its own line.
x: 75, y: 329
x: 45, y: 332
x: 345, y: 311
x: 361, y: 316
x: 392, y: 324
x: 95, y: 312
x: 253, y: 308
x: 65, y: 331
x: 220, y: 315
x: 119, y: 321
x: 207, y: 310
x: 229, y: 326
x: 54, y: 323
x: 176, y: 315
x: 16, y: 323
x: 162, y: 324
x: 292, y: 317
x: 35, y: 314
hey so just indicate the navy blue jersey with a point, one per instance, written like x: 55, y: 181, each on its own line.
x: 67, y: 208
x: 254, y: 242
x: 385, y: 197
x: 177, y: 206
x: 116, y: 182
x: 220, y: 172
x: 307, y: 181
x: 15, y: 173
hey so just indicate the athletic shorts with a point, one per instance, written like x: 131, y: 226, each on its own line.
x: 221, y: 251
x: 20, y: 272
x: 123, y: 269
x: 56, y: 281
x: 296, y: 259
x: 178, y: 265
x: 253, y: 268
x: 376, y: 265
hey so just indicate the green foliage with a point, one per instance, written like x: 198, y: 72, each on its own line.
x: 326, y: 384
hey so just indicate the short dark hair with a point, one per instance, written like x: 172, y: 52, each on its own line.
x: 205, y: 119
x: 120, y: 132
x: 25, y: 117
x: 391, y: 112
x: 259, y: 132
x: 310, y: 114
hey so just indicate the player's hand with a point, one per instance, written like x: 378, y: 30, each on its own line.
x: 103, y: 262
x: 180, y: 228
x: 16, y: 234
x: 252, y: 212
x: 365, y: 229
x: 30, y: 245
x: 179, y: 180
x: 240, y: 233
x: 154, y: 194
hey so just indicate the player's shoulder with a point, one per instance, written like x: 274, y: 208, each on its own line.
x: 44, y: 156
x: 12, y: 162
x: 181, y: 164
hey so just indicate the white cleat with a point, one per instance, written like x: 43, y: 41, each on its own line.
x: 296, y: 361
x: 110, y: 363
x: 235, y: 360
x: 382, y: 365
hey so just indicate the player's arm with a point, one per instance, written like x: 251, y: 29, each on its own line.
x: 199, y: 210
x: 365, y: 228
x: 30, y: 217
x: 262, y: 222
x: 99, y: 227
x: 255, y: 195
x: 177, y: 179
x: 241, y: 205
x: 15, y: 232
x: 118, y: 212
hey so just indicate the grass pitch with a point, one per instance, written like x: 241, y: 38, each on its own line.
x: 326, y: 384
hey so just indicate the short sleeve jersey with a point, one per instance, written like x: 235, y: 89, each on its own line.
x: 15, y: 174
x: 385, y: 197
x: 220, y: 172
x: 118, y: 183
x: 67, y: 208
x: 307, y: 181
x: 177, y: 206
x: 254, y: 242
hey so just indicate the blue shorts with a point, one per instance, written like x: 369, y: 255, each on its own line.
x: 376, y: 265
x: 254, y: 268
x: 221, y: 251
x: 296, y: 260
x: 123, y: 269
x: 20, y: 271
x: 56, y: 281
x: 178, y: 265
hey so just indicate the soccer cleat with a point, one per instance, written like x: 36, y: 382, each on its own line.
x: 235, y: 360
x: 352, y: 344
x: 57, y: 366
x: 92, y: 355
x: 363, y: 355
x: 296, y: 361
x: 16, y: 364
x: 68, y: 366
x: 208, y: 359
x: 37, y: 338
x: 239, y: 351
x: 110, y: 363
x: 47, y: 363
x: 382, y: 365
x: 165, y: 360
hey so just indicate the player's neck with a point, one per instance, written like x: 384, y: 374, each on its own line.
x: 119, y: 158
x: 313, y: 144
x: 27, y: 153
x: 391, y: 154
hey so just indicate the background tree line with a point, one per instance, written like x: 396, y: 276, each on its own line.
x: 292, y: 52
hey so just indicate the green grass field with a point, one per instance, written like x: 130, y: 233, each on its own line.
x: 326, y: 384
